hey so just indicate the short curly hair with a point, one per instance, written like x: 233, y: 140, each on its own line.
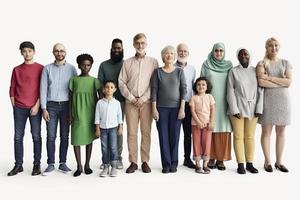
x: 208, y: 83
x: 83, y: 57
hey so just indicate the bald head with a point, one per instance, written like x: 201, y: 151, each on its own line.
x: 59, y: 52
x: 182, y: 52
x: 59, y: 46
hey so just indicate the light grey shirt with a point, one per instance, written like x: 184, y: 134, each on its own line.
x: 108, y: 113
x: 244, y: 96
x: 54, y: 82
x: 168, y: 89
x: 190, y: 74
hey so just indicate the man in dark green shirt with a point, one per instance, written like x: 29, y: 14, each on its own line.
x: 109, y: 70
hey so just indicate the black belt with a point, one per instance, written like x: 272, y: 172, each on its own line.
x: 59, y: 102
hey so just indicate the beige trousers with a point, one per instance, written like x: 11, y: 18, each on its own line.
x: 133, y: 116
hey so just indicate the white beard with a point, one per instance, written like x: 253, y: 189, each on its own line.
x: 182, y: 60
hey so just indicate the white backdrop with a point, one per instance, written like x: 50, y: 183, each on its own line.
x: 89, y: 26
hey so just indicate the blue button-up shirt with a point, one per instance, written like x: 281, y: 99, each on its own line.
x: 108, y: 113
x: 54, y: 82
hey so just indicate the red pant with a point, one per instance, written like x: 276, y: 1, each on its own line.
x: 201, y: 142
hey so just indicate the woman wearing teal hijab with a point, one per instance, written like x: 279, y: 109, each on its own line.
x: 216, y: 69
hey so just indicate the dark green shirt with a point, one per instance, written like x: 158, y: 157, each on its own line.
x: 110, y: 71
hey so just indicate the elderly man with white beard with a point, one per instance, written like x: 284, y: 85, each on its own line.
x: 190, y: 74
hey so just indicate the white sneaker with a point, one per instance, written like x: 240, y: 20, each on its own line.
x: 102, y: 166
x: 113, y: 172
x: 50, y: 168
x: 105, y: 171
x: 120, y: 164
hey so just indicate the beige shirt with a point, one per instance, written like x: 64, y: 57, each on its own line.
x: 135, y: 76
x: 202, y: 106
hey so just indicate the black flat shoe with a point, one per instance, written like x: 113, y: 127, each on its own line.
x: 36, y: 170
x: 77, y: 173
x: 17, y: 169
x: 241, y: 169
x: 88, y: 171
x: 251, y: 168
x: 189, y: 163
x: 173, y: 170
x: 165, y: 170
x: 268, y: 168
x: 281, y: 168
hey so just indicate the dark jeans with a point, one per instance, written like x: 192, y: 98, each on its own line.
x: 168, y: 127
x: 109, y: 146
x: 20, y: 118
x: 187, y: 130
x: 58, y: 111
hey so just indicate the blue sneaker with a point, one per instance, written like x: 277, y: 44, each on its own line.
x: 64, y: 168
x: 49, y: 169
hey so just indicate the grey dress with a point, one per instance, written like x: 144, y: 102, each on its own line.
x: 277, y: 105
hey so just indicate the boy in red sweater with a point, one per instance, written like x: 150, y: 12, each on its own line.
x: 24, y: 95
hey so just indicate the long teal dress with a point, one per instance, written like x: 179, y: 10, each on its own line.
x: 84, y: 98
x: 219, y: 92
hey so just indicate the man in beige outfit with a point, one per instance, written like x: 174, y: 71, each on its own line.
x: 134, y: 84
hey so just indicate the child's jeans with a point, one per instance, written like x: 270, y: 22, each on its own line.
x: 109, y: 146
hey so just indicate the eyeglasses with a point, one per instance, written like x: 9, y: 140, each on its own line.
x: 140, y: 43
x: 219, y: 50
x: 59, y: 51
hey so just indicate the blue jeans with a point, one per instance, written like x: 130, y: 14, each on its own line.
x: 187, y: 130
x: 20, y: 118
x: 109, y: 146
x: 58, y: 111
x: 168, y: 127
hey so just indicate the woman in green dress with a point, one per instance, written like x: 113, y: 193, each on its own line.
x: 83, y: 98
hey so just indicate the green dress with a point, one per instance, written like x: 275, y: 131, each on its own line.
x: 84, y: 98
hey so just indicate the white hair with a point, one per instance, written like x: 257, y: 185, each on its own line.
x: 168, y: 48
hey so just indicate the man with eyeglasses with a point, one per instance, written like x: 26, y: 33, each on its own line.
x: 55, y: 106
x: 134, y: 84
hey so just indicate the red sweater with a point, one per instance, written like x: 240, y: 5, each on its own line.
x: 25, y: 84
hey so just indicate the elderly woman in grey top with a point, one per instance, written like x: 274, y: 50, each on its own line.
x: 245, y: 104
x: 168, y: 94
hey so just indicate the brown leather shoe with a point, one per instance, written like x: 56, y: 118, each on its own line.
x: 131, y: 169
x: 146, y: 168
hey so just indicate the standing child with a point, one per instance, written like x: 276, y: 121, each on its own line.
x: 108, y: 121
x: 83, y: 98
x: 25, y: 99
x: 202, y: 108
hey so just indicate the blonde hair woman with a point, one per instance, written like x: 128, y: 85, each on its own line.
x: 275, y: 75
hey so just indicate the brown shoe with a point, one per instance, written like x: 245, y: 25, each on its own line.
x: 131, y: 169
x: 146, y: 168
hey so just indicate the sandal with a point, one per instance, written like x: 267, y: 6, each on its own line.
x: 206, y: 170
x: 211, y: 164
x: 220, y: 165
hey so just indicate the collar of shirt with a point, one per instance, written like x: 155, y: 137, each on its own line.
x: 180, y: 64
x: 58, y: 65
x: 107, y: 100
x: 138, y: 57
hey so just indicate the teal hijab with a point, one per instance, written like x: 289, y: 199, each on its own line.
x: 222, y: 66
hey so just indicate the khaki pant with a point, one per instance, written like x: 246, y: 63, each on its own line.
x: 133, y: 116
x: 243, y: 139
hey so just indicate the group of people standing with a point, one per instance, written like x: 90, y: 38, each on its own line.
x: 223, y: 99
